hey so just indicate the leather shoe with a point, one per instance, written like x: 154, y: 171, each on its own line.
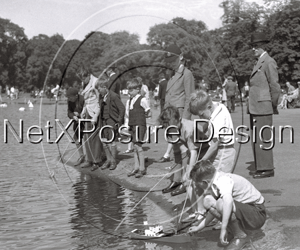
x: 237, y: 244
x: 113, y: 166
x: 164, y: 159
x: 180, y: 190
x: 252, y: 172
x: 264, y: 174
x: 133, y: 172
x: 105, y: 165
x: 95, y: 167
x: 171, y: 187
x: 79, y: 161
x: 86, y: 164
x: 140, y: 174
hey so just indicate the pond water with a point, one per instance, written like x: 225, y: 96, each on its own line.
x: 71, y: 210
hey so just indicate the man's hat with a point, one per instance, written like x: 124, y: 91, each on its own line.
x: 229, y: 77
x: 72, y: 92
x: 173, y: 51
x: 259, y: 37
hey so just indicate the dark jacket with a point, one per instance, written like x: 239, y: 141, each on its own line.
x: 162, y: 89
x: 231, y: 88
x: 264, y: 88
x: 115, y: 84
x: 115, y: 106
x: 76, y: 106
x: 179, y: 89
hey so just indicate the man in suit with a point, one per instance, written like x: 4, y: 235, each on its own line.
x: 112, y: 112
x: 114, y: 80
x: 179, y: 87
x: 263, y: 100
x: 162, y: 90
x: 178, y: 91
x: 231, y: 89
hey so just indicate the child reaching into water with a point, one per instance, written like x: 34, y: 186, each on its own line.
x: 137, y: 110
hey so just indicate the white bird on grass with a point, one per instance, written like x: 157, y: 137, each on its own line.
x: 30, y: 105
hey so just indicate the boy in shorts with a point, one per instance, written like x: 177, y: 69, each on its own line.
x: 137, y: 110
x: 230, y: 198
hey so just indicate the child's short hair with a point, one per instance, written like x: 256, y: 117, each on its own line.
x: 202, y: 169
x: 199, y: 100
x: 134, y: 84
x: 102, y: 83
x: 169, y: 113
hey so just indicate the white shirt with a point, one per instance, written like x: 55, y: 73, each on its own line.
x: 144, y: 104
x: 222, y: 124
x: 237, y: 186
x: 262, y: 54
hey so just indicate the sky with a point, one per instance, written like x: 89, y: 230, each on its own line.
x: 75, y: 18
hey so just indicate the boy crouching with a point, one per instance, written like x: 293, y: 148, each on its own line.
x: 232, y: 199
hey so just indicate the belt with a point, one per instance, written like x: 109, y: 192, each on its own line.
x: 226, y: 146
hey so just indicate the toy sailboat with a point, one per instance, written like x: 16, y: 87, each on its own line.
x: 158, y: 234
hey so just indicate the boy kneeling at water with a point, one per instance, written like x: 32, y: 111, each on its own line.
x: 230, y: 198
x: 186, y: 150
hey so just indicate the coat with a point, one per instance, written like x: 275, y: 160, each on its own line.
x: 115, y: 83
x: 264, y: 87
x: 162, y: 89
x: 179, y: 89
x: 231, y: 88
x: 116, y: 108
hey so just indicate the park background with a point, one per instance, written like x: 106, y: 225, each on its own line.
x: 212, y: 53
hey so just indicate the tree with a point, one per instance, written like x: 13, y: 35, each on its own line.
x: 12, y: 56
x: 284, y: 26
x: 189, y: 35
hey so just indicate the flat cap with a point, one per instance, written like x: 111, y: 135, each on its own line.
x: 72, y: 92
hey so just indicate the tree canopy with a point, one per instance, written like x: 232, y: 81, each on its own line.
x: 212, y: 54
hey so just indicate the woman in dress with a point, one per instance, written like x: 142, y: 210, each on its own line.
x: 91, y: 110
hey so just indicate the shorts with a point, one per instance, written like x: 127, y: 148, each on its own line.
x: 109, y: 133
x: 250, y: 216
x: 141, y: 133
x: 224, y: 159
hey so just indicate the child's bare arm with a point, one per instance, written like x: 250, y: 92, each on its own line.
x: 148, y: 113
x: 214, y: 144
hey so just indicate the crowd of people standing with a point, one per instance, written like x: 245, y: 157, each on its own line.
x: 203, y: 170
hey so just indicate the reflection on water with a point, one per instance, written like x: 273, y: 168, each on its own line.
x: 74, y: 212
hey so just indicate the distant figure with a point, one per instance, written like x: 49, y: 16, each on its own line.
x: 12, y: 93
x: 203, y: 86
x: 30, y: 105
x: 1, y: 94
x: 231, y: 89
x: 162, y: 90
x: 224, y: 96
x: 292, y: 94
x: 246, y: 89
x: 55, y: 91
x: 144, y: 90
x: 155, y: 95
